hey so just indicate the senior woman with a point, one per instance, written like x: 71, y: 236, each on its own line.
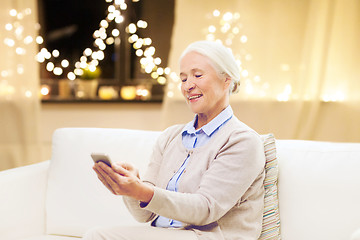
x: 205, y: 178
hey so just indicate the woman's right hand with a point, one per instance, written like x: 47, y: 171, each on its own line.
x: 123, y: 179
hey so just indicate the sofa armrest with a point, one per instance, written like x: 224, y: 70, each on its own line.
x: 22, y: 201
x: 355, y: 235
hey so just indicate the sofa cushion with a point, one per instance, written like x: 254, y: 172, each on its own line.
x: 318, y: 187
x: 50, y: 237
x: 271, y: 217
x: 76, y: 199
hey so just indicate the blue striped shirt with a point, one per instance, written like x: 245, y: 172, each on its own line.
x: 192, y: 138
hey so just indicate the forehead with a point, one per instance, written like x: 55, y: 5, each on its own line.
x: 194, y: 61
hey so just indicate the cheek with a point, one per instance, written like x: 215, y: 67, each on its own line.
x: 182, y: 89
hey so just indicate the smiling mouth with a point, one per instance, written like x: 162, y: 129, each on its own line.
x: 195, y: 97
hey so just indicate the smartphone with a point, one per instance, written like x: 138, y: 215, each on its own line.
x: 101, y: 157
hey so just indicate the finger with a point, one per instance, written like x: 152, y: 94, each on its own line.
x: 103, y: 181
x: 107, y: 185
x: 106, y: 175
x: 107, y: 172
x: 113, y: 179
x: 120, y: 169
x: 127, y: 166
x: 101, y: 176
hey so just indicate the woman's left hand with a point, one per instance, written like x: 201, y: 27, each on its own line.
x: 123, y: 179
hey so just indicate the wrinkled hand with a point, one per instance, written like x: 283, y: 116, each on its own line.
x: 123, y: 179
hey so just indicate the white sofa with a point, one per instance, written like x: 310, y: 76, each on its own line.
x: 318, y: 187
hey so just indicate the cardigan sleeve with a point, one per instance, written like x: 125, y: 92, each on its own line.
x: 133, y: 205
x: 228, y: 181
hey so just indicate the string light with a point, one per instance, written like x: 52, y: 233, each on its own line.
x: 57, y: 71
x: 101, y: 39
x: 131, y: 28
x: 45, y: 90
x: 226, y: 29
x: 115, y: 33
x: 216, y: 13
x: 119, y: 19
x: 338, y: 96
x: 285, y: 95
x: 50, y: 66
x: 28, y: 94
x: 39, y: 40
x: 65, y: 63
x: 55, y: 53
x: 20, y: 69
x: 28, y: 40
x: 71, y: 76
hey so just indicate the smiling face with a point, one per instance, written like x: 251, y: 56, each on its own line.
x: 206, y: 93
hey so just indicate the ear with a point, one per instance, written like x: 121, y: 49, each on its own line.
x: 227, y: 81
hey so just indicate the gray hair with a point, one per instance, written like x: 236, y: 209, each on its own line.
x: 221, y: 58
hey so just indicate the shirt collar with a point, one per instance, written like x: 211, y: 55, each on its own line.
x: 214, y: 124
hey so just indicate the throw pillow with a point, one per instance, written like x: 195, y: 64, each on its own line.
x: 271, y: 216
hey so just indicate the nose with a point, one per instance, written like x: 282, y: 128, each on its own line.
x: 189, y: 85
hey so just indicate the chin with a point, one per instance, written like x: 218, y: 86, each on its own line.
x: 195, y: 110
x: 196, y: 107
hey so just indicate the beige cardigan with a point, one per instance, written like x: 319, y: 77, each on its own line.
x: 221, y: 193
